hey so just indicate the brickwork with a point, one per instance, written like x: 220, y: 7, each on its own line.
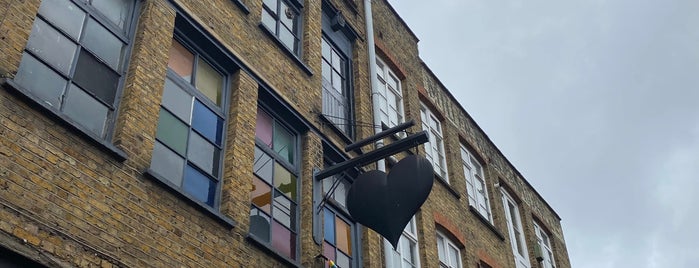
x: 67, y: 201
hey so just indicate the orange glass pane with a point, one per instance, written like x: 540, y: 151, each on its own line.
x: 181, y: 60
x: 261, y: 194
x: 343, y: 236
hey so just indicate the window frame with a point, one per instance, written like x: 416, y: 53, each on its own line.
x: 385, y: 72
x: 519, y: 250
x: 435, y: 136
x: 410, y: 233
x: 123, y: 34
x: 296, y: 6
x: 447, y: 244
x: 545, y: 246
x: 346, y: 128
x: 474, y: 173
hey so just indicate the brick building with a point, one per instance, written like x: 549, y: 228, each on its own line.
x: 185, y: 133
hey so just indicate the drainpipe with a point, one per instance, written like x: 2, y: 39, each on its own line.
x: 381, y: 164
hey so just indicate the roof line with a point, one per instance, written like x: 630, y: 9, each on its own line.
x: 401, y: 20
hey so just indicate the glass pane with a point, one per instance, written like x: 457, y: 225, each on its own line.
x: 344, y: 236
x: 263, y: 128
x: 288, y: 21
x: 284, y: 143
x: 199, y: 186
x: 95, y: 77
x: 167, y: 164
x: 336, y: 61
x: 259, y: 224
x: 51, y: 46
x: 329, y: 226
x: 337, y: 82
x: 181, y: 60
x: 103, y: 43
x: 172, y: 132
x: 177, y: 101
x: 85, y: 110
x: 326, y: 71
x: 115, y: 10
x: 453, y: 256
x: 203, y: 154
x: 343, y: 261
x: 284, y: 210
x: 40, y: 80
x: 271, y: 4
x: 209, y: 81
x: 269, y: 21
x: 325, y: 49
x: 263, y: 166
x: 329, y: 251
x: 440, y: 248
x: 261, y: 195
x: 283, y: 240
x: 64, y: 15
x: 285, y: 181
x: 207, y: 123
x: 287, y: 38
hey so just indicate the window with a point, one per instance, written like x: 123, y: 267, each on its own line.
x: 281, y: 17
x: 274, y: 197
x: 475, y: 183
x: 406, y: 254
x: 544, y: 243
x: 434, y: 149
x: 514, y: 226
x: 74, y: 61
x: 336, y: 91
x: 449, y: 254
x: 390, y: 96
x: 189, y: 138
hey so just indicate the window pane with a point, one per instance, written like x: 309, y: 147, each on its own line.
x: 440, y: 248
x: 271, y: 4
x: 172, y: 132
x: 283, y: 240
x: 199, y: 186
x: 263, y: 166
x: 284, y: 143
x: 209, y: 81
x: 329, y: 251
x: 177, y: 101
x: 289, y: 22
x: 284, y: 210
x: 95, y: 77
x: 337, y: 82
x: 344, y: 236
x: 203, y: 154
x: 326, y: 71
x: 287, y: 38
x: 259, y: 224
x: 336, y: 61
x: 261, y: 195
x: 103, y: 43
x: 263, y: 127
x: 64, y: 15
x: 167, y: 164
x: 342, y: 260
x: 269, y: 21
x: 285, y: 181
x: 40, y: 80
x: 115, y: 10
x: 85, y: 110
x: 181, y: 60
x: 453, y: 256
x: 329, y: 226
x: 325, y: 49
x: 207, y: 123
x: 51, y: 46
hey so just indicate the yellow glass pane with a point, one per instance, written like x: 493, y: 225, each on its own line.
x: 209, y: 81
x: 285, y: 181
x: 343, y: 234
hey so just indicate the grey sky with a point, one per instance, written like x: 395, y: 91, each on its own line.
x: 597, y: 104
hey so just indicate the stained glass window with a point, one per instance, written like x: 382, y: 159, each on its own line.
x: 338, y: 238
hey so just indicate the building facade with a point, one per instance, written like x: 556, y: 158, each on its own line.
x: 185, y: 133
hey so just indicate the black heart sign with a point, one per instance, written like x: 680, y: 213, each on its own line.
x: 386, y: 203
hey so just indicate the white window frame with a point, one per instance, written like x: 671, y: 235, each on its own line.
x: 475, y: 183
x: 443, y: 243
x: 544, y: 241
x: 516, y: 231
x: 391, y: 113
x: 399, y: 260
x: 434, y: 148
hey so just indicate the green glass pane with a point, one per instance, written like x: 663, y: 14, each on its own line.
x: 283, y: 143
x: 172, y: 132
x: 285, y: 181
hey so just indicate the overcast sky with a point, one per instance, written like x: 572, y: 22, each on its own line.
x: 596, y: 102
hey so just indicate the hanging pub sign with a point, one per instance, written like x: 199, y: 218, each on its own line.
x: 386, y: 202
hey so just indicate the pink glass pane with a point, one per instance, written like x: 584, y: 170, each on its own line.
x: 263, y: 130
x: 181, y: 60
x: 328, y: 252
x: 261, y: 195
x: 283, y: 240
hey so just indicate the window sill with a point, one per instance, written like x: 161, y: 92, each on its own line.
x: 29, y: 98
x: 262, y: 245
x: 286, y: 50
x: 337, y: 130
x: 448, y: 186
x: 486, y: 222
x: 214, y: 214
x: 242, y: 6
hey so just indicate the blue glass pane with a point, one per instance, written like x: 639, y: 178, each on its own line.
x: 199, y: 186
x: 329, y: 226
x: 207, y: 123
